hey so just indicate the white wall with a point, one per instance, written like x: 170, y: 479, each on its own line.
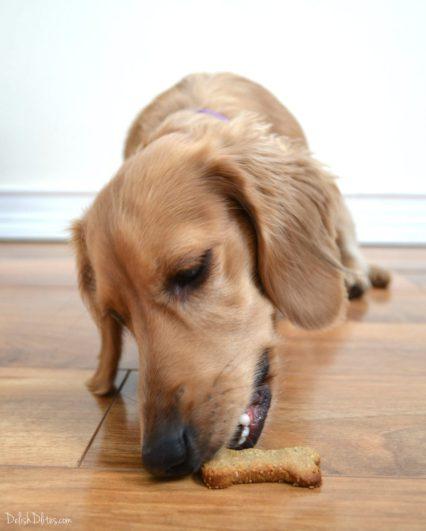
x: 74, y: 73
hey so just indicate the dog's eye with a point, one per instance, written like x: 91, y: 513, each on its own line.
x: 194, y: 276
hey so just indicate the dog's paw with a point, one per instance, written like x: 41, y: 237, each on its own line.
x: 100, y: 386
x: 356, y: 284
x: 379, y: 278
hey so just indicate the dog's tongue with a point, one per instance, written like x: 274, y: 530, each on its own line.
x: 257, y: 412
x: 256, y: 415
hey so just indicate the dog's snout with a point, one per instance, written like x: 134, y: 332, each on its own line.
x: 170, y: 452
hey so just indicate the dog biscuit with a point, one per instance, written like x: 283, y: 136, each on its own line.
x: 298, y: 466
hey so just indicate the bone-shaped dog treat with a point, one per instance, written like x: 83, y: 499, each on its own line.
x: 298, y: 466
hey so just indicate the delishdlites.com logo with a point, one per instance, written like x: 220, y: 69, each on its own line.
x: 33, y: 518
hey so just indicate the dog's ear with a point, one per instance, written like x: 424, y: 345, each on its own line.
x: 86, y: 279
x: 289, y: 200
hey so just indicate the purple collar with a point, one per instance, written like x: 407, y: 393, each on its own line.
x: 216, y: 114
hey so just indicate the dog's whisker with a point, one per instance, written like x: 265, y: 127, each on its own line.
x: 229, y: 365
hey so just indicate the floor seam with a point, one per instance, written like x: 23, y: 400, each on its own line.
x: 108, y: 409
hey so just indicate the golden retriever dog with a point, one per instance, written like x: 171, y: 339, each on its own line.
x: 218, y: 220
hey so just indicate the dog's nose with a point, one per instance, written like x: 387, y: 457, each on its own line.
x: 170, y: 452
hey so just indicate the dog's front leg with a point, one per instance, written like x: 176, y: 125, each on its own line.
x: 102, y: 382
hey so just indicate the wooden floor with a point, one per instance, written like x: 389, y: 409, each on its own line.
x: 357, y: 394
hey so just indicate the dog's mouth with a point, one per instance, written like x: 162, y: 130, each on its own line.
x: 251, y: 422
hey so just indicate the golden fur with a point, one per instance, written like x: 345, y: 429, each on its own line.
x: 280, y: 236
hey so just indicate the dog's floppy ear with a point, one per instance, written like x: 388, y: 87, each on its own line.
x: 289, y: 200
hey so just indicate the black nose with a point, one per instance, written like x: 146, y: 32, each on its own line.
x: 170, y: 452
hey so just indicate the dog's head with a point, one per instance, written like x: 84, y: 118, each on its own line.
x: 193, y: 246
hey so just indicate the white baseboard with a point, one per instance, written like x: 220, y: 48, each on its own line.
x: 40, y: 215
x: 389, y: 219
x: 380, y: 219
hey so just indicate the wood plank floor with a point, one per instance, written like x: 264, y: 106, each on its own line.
x: 356, y: 393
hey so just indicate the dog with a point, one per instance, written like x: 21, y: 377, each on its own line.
x: 218, y: 222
